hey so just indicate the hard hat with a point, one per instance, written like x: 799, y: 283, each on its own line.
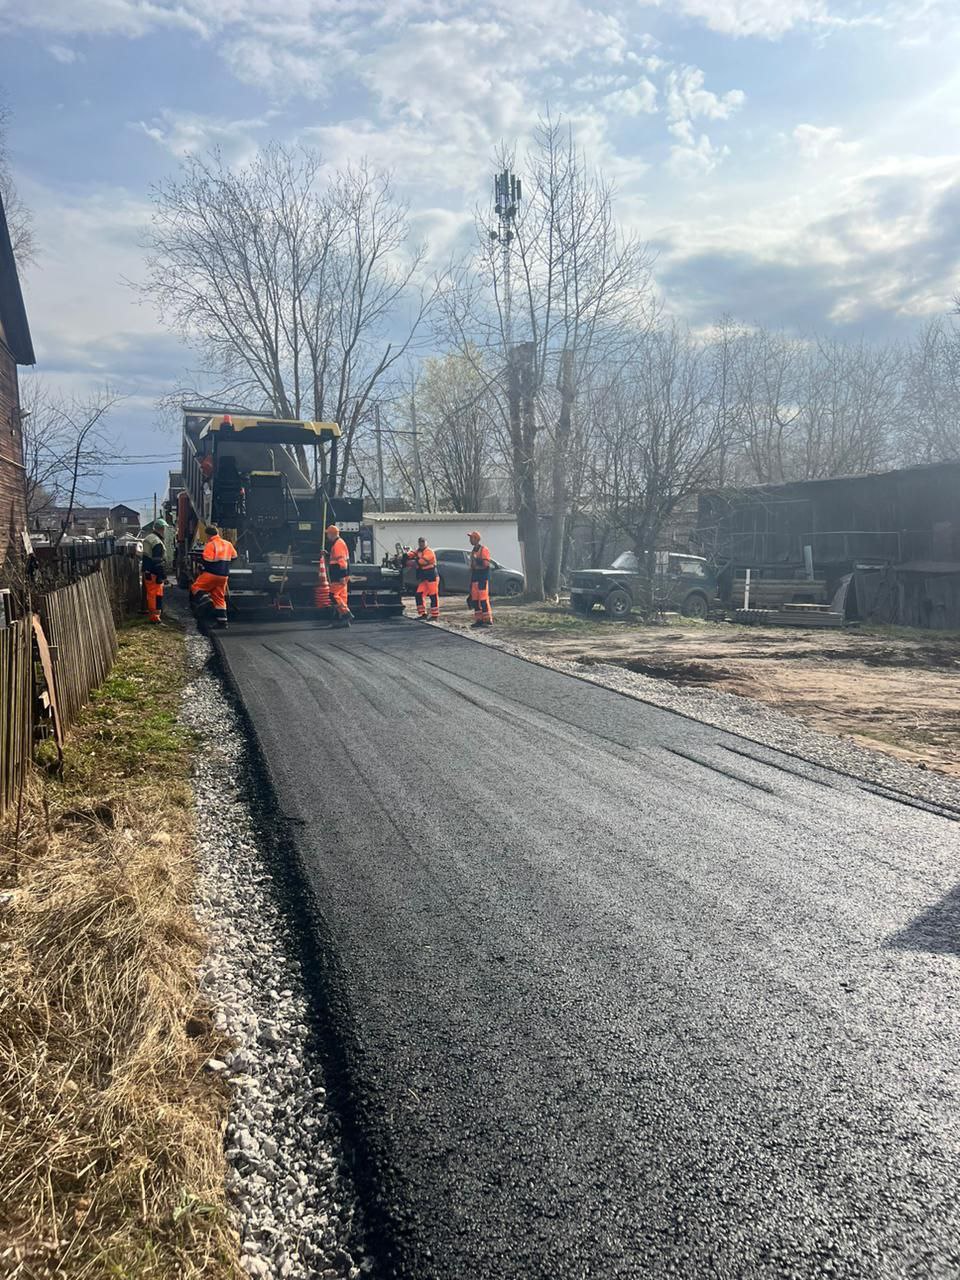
x: 159, y: 524
x: 473, y: 535
x: 332, y: 531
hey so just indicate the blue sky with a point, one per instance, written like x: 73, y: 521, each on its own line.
x: 793, y: 162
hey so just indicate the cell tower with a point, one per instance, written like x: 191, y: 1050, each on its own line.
x: 506, y: 199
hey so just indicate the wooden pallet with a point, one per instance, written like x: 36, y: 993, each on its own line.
x: 791, y: 615
x: 773, y: 593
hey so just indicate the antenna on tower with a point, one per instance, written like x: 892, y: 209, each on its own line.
x: 507, y: 194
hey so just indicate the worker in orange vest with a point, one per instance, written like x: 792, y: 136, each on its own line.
x: 154, y: 568
x: 218, y: 554
x: 338, y: 559
x: 428, y: 581
x: 480, y: 581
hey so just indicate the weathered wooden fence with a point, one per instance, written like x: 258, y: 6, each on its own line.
x: 79, y: 623
x: 16, y: 708
x: 124, y: 584
x: 57, y: 567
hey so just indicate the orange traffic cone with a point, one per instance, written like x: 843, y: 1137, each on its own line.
x: 321, y: 592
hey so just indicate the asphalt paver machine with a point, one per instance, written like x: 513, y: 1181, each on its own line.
x: 264, y: 482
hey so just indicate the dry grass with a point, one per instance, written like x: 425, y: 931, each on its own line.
x: 110, y: 1128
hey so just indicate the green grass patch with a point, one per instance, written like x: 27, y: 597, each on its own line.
x: 130, y: 725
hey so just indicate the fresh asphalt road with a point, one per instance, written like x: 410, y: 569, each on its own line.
x: 620, y: 995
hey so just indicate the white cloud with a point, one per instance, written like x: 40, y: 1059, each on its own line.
x: 63, y: 53
x: 186, y: 133
x: 640, y: 99
x: 814, y: 142
x: 769, y: 19
x: 687, y: 100
x: 687, y: 97
x: 695, y: 157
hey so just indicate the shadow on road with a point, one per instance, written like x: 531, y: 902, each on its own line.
x: 937, y: 929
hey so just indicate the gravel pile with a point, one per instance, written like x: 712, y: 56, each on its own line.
x: 291, y: 1193
x: 752, y: 720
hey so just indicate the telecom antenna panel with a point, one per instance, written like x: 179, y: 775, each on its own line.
x: 507, y: 194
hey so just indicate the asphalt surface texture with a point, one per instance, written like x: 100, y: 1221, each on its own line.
x: 616, y: 994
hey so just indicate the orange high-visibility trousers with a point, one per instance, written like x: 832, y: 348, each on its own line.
x: 480, y: 595
x: 338, y: 594
x: 215, y: 585
x: 429, y: 590
x: 154, y: 591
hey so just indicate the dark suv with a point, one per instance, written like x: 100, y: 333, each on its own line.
x: 684, y: 583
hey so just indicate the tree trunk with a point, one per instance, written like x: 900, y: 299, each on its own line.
x: 523, y: 435
x: 558, y: 507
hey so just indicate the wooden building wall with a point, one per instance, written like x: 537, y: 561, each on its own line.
x: 13, y: 515
x: 895, y: 516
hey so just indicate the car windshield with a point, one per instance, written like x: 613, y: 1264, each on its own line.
x: 626, y: 560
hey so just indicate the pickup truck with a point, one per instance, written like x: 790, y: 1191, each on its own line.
x: 682, y: 582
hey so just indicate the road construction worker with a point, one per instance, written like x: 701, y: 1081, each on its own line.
x: 154, y: 569
x: 338, y: 560
x: 480, y: 581
x: 153, y: 536
x: 428, y: 581
x: 218, y: 555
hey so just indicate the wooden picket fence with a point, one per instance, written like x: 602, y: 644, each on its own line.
x: 79, y: 624
x: 124, y: 584
x: 16, y: 708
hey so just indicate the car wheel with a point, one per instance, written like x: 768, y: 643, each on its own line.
x: 511, y: 587
x: 618, y: 604
x: 695, y: 605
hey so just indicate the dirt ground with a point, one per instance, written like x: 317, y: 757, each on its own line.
x: 892, y: 689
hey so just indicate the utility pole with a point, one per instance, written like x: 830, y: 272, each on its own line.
x: 416, y: 447
x: 154, y: 506
x: 383, y: 501
x: 507, y: 194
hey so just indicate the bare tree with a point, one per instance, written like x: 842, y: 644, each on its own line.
x: 929, y: 428
x: 456, y: 412
x: 660, y: 437
x: 294, y: 285
x: 65, y: 449
x: 582, y: 299
x: 849, y: 397
x: 19, y: 218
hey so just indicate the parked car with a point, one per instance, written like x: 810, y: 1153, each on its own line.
x: 454, y: 569
x: 684, y: 583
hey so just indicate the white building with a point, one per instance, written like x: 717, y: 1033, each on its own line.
x: 445, y: 529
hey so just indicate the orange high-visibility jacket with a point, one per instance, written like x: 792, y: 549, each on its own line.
x: 217, y: 554
x: 339, y: 557
x: 426, y: 562
x: 479, y: 563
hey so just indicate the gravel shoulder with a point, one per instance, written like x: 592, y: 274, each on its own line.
x: 289, y: 1181
x: 770, y: 717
